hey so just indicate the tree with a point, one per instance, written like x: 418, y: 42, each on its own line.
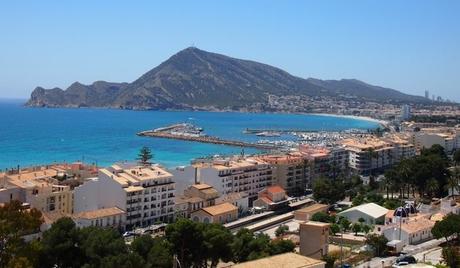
x: 356, y: 228
x: 378, y: 243
x: 344, y: 223
x: 61, y: 245
x: 260, y: 247
x: 330, y: 260
x: 335, y: 228
x: 432, y: 187
x: 321, y: 217
x: 121, y: 260
x: 435, y: 149
x: 447, y: 227
x: 328, y: 191
x: 247, y: 246
x: 281, y: 230
x: 187, y: 242
x: 15, y: 222
x: 142, y: 245
x: 160, y: 254
x: 281, y: 246
x: 366, y: 228
x: 451, y: 256
x: 358, y: 200
x: 372, y: 154
x: 144, y: 156
x: 102, y: 244
x: 456, y: 157
x: 454, y: 180
x: 217, y: 240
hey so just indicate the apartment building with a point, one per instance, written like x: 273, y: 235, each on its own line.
x: 37, y: 186
x: 449, y: 139
x: 234, y: 175
x: 367, y: 155
x: 403, y: 148
x: 196, y: 197
x: 146, y: 193
x: 292, y: 172
x: 324, y: 162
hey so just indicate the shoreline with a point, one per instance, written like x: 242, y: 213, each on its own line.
x: 366, y: 118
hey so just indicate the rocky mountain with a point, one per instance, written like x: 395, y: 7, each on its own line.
x: 197, y: 79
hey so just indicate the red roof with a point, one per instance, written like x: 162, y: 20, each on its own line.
x: 275, y: 189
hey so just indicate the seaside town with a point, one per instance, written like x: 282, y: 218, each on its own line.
x: 230, y: 134
x: 381, y: 198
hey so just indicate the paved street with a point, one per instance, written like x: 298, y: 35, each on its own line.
x: 430, y: 249
x: 433, y: 255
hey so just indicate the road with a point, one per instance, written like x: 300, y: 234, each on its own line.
x: 430, y: 249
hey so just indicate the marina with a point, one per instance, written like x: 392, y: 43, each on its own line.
x: 189, y: 132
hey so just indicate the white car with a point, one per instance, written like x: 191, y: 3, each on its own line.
x: 400, y: 264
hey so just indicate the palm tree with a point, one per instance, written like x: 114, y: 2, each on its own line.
x: 432, y: 186
x: 388, y: 182
x: 371, y: 154
x: 453, y: 180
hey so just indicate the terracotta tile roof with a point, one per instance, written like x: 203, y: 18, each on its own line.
x: 220, y: 209
x: 275, y: 189
x: 417, y: 225
x: 313, y: 207
x: 99, y: 213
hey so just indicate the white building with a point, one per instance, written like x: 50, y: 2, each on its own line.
x: 405, y: 112
x: 105, y: 217
x: 413, y: 231
x: 368, y: 154
x: 236, y: 175
x: 184, y: 176
x: 425, y: 139
x: 146, y: 193
x: 370, y: 212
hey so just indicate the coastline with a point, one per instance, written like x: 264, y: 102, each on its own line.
x: 370, y: 119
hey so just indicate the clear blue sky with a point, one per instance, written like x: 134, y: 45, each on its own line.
x: 406, y: 45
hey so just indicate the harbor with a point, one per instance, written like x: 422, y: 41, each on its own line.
x: 189, y: 132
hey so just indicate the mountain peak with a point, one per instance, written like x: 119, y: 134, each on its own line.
x: 196, y: 79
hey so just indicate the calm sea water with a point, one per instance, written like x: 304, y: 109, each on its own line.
x: 37, y: 136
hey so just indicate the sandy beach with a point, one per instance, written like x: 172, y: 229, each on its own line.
x: 381, y: 122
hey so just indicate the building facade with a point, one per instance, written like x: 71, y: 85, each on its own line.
x: 146, y: 193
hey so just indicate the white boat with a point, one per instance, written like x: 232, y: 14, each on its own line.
x: 268, y: 134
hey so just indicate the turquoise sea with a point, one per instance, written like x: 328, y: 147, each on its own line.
x: 41, y: 135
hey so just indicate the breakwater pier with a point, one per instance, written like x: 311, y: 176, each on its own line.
x: 189, y: 133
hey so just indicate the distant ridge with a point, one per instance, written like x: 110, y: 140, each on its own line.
x: 201, y: 80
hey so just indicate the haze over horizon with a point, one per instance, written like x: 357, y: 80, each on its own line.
x: 411, y: 46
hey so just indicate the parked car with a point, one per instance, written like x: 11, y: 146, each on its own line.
x: 400, y: 264
x: 128, y: 234
x: 406, y: 258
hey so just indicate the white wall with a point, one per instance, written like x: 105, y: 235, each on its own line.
x: 183, y: 177
x: 86, y: 196
x: 111, y: 194
x: 102, y: 192
x: 211, y: 177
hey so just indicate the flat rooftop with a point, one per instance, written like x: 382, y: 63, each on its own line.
x: 286, y: 260
x: 135, y: 175
x: 99, y: 213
